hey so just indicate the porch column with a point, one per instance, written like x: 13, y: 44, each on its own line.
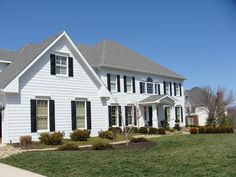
x: 154, y: 116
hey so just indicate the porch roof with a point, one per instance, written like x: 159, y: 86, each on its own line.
x: 157, y: 99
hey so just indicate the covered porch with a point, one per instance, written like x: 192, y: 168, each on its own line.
x: 157, y: 108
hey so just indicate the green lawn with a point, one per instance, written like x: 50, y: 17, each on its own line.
x: 183, y: 155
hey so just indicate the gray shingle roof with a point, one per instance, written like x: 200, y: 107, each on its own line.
x: 194, y: 96
x: 7, y: 55
x: 152, y: 98
x: 111, y: 54
x: 23, y: 58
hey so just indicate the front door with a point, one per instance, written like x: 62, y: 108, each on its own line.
x: 150, y: 116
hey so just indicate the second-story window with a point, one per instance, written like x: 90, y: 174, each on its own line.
x: 113, y: 83
x: 129, y: 84
x: 61, y: 65
x: 149, y: 85
x: 167, y: 88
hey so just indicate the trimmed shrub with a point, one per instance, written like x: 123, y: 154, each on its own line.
x: 161, y: 131
x: 193, y: 131
x: 139, y: 139
x: 171, y: 130
x: 101, y: 146
x: 177, y: 127
x: 202, y: 130
x: 143, y: 130
x: 25, y: 140
x: 152, y: 130
x: 54, y: 138
x: 68, y: 147
x: 165, y: 124
x: 80, y: 135
x: 134, y: 130
x: 115, y: 130
x: 106, y: 134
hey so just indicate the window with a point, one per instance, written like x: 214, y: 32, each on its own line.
x: 167, y: 88
x: 143, y: 87
x: 177, y: 89
x: 190, y: 121
x: 42, y: 114
x: 113, y: 83
x: 114, y: 116
x: 156, y: 85
x: 61, y: 65
x: 193, y: 109
x: 129, y: 84
x: 187, y: 110
x: 130, y: 114
x: 80, y: 114
x: 178, y: 113
x: 149, y: 85
x: 168, y: 113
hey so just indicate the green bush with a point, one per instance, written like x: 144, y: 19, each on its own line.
x: 202, y: 130
x: 115, y: 130
x: 25, y: 140
x: 161, y: 131
x: 101, y: 146
x: 80, y: 135
x: 221, y: 129
x: 171, y: 130
x: 143, y: 130
x: 177, y: 127
x: 165, y: 124
x: 106, y: 134
x: 134, y: 130
x: 68, y: 147
x: 193, y: 131
x: 139, y: 139
x: 54, y: 138
x: 152, y: 130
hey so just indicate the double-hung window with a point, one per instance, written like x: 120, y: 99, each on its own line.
x: 61, y: 65
x: 168, y: 113
x: 149, y: 85
x: 167, y: 88
x: 113, y: 83
x: 130, y: 114
x: 80, y: 114
x: 114, y: 115
x: 42, y: 114
x: 178, y: 114
x: 129, y: 84
x: 177, y: 89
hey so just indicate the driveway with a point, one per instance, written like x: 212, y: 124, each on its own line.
x: 10, y: 171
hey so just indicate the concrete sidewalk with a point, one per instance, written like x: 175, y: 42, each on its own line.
x: 10, y: 171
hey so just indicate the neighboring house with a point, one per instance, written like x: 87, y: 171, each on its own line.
x: 58, y: 86
x: 195, y: 110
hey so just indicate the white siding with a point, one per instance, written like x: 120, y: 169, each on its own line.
x: 37, y: 81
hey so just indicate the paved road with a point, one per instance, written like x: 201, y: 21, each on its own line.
x: 10, y: 171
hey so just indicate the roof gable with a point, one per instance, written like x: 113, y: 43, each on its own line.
x: 112, y: 54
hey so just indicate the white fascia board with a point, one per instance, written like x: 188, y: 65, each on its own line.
x: 5, y: 61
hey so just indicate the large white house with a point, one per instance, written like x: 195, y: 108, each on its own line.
x: 58, y: 86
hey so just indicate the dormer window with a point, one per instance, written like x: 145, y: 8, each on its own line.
x: 61, y: 65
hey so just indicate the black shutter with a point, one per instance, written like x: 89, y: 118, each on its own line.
x: 109, y: 116
x: 108, y: 81
x: 125, y: 84
x: 182, y: 118
x: 120, y: 116
x: 159, y: 89
x: 141, y: 87
x: 89, y: 122
x: 133, y: 79
x: 33, y: 115
x: 73, y: 114
x: 53, y: 64
x: 70, y: 59
x: 170, y: 88
x: 135, y: 116
x: 174, y: 88
x: 52, y: 115
x: 180, y: 89
x: 176, y: 113
x: 118, y: 83
x: 126, y: 115
x: 164, y: 86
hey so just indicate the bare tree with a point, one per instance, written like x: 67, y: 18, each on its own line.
x: 217, y: 101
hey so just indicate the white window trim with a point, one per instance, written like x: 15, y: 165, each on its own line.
x: 177, y: 86
x: 153, y: 85
x: 48, y: 129
x: 113, y: 75
x: 67, y: 65
x: 132, y: 114
x: 131, y: 84
x: 85, y: 113
x: 179, y: 108
x: 117, y: 117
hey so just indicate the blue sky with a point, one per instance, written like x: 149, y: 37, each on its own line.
x: 195, y: 38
